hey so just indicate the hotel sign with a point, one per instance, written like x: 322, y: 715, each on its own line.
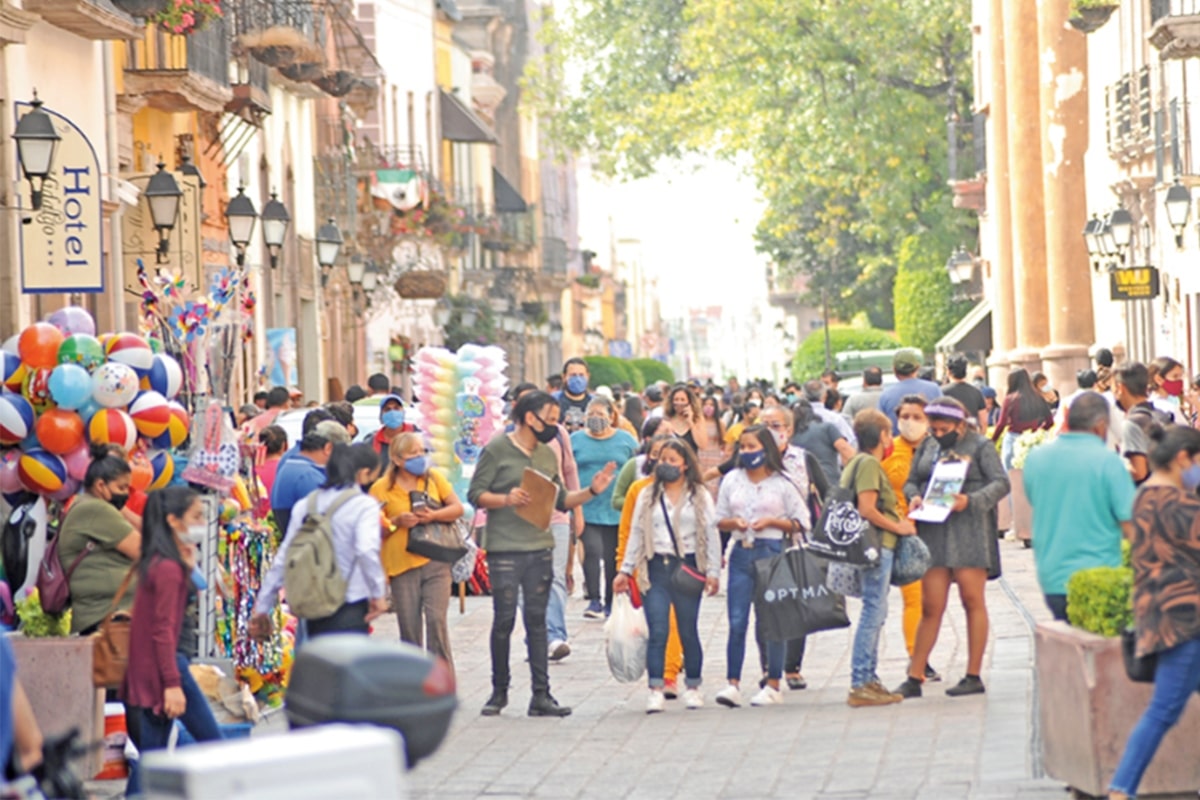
x: 1136, y: 283
x: 61, y: 247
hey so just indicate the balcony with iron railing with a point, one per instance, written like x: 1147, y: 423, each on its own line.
x: 97, y: 20
x: 251, y: 90
x: 286, y: 34
x: 1129, y: 116
x: 967, y: 161
x: 181, y: 73
x: 1175, y: 28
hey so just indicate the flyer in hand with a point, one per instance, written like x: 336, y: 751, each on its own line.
x: 945, y: 483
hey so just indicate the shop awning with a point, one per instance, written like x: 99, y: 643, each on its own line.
x: 508, y: 199
x: 972, y: 333
x: 461, y: 124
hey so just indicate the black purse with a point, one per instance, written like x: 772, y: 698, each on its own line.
x: 684, y: 579
x: 1140, y: 669
x: 437, y: 541
x: 842, y: 534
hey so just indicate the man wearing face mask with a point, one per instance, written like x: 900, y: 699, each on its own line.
x: 391, y: 415
x: 304, y: 473
x: 574, y: 398
x: 1082, y: 498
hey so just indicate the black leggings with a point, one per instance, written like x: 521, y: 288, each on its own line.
x: 599, y: 545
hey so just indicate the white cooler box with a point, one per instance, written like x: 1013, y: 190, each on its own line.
x: 317, y: 763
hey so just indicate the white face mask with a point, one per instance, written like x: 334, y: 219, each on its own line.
x: 196, y: 534
x: 781, y: 439
x: 913, y: 430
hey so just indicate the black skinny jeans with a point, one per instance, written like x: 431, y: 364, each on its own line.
x: 512, y: 574
x: 350, y: 618
x: 599, y: 545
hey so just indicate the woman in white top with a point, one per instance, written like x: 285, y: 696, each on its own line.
x: 762, y: 509
x: 673, y: 520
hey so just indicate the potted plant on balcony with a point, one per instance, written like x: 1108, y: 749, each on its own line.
x: 1090, y: 15
x: 183, y: 17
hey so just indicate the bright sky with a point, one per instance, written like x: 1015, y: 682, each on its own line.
x: 696, y: 222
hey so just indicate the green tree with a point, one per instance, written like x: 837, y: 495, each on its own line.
x: 653, y: 370
x: 809, y: 361
x: 925, y: 304
x: 611, y: 371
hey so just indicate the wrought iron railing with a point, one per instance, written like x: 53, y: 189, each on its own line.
x: 1172, y: 8
x: 967, y: 148
x: 208, y: 52
x: 1128, y: 111
x: 205, y: 52
x: 249, y: 16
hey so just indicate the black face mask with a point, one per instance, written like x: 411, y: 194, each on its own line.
x: 547, y: 434
x: 947, y: 440
x: 667, y: 473
x: 118, y: 501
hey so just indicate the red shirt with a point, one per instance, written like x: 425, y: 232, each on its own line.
x: 158, y: 609
x: 381, y: 442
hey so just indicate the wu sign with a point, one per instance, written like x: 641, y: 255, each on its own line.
x: 61, y: 247
x: 1136, y: 283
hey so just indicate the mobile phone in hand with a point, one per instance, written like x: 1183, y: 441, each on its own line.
x: 418, y: 500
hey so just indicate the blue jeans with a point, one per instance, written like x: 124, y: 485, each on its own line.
x: 865, y: 657
x: 1175, y: 679
x: 556, y: 610
x: 740, y: 596
x: 657, y: 602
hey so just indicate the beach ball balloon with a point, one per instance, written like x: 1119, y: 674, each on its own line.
x: 177, y: 429
x: 38, y: 344
x: 141, y: 473
x: 68, y: 490
x: 73, y: 319
x: 12, y: 345
x: 112, y: 426
x: 59, y: 431
x: 42, y: 472
x: 150, y: 414
x: 163, y: 466
x: 166, y: 376
x: 16, y: 418
x: 16, y: 380
x: 114, y: 385
x: 131, y: 350
x: 10, y: 365
x: 77, y: 461
x: 36, y: 389
x: 70, y: 386
x: 82, y: 349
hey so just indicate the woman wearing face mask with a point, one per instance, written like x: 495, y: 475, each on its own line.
x: 964, y: 548
x: 1166, y: 388
x: 914, y: 426
x: 420, y: 587
x: 674, y: 519
x: 105, y: 543
x: 761, y: 507
x: 684, y: 418
x: 713, y: 454
x: 598, y: 444
x: 1166, y: 594
x: 351, y: 470
x: 158, y: 686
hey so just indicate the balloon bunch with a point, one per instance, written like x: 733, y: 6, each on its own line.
x: 64, y: 389
x: 461, y: 405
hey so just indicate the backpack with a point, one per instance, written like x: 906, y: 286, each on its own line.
x: 316, y: 587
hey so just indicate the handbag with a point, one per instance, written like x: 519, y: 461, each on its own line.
x: 439, y: 541
x: 1140, y: 669
x: 845, y: 579
x: 110, y: 645
x: 911, y: 562
x: 792, y: 598
x: 684, y: 578
x: 842, y: 534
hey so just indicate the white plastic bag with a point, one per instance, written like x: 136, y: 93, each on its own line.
x: 626, y: 636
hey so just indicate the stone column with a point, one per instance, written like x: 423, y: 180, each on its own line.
x: 1064, y: 143
x: 1004, y: 321
x: 1025, y: 180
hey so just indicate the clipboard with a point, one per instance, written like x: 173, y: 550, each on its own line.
x: 543, y: 493
x: 945, y: 483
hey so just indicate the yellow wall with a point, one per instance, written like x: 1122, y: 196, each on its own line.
x: 443, y: 74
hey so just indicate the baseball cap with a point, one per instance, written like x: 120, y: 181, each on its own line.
x: 332, y: 430
x: 907, y: 359
x: 654, y: 393
x: 387, y: 398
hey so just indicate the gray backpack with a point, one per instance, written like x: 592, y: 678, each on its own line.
x: 316, y: 587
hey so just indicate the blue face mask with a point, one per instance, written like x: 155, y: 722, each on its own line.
x: 418, y: 465
x: 1191, y: 477
x: 752, y: 460
x: 392, y: 419
x: 577, y: 384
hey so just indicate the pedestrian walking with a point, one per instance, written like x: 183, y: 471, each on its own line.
x: 574, y: 398
x: 877, y: 505
x: 821, y: 439
x: 1166, y: 388
x: 964, y: 548
x: 761, y: 509
x: 868, y: 397
x: 1166, y: 595
x: 673, y: 520
x: 1024, y: 409
x: 906, y: 364
x: 1131, y: 389
x: 520, y: 553
x: 966, y: 393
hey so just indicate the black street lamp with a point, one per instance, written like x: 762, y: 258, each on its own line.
x: 1179, y: 208
x: 329, y: 244
x: 1120, y: 227
x: 275, y: 220
x: 370, y: 280
x: 1091, y: 238
x: 241, y: 215
x: 36, y: 141
x: 163, y: 195
x: 356, y: 270
x: 961, y: 266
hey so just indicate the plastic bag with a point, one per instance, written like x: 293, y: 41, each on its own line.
x: 626, y: 636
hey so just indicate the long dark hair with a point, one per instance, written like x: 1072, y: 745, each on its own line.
x: 716, y: 417
x: 767, y: 440
x: 648, y: 445
x: 106, y: 466
x: 803, y: 414
x: 1171, y: 440
x: 158, y: 537
x: 531, y: 402
x: 345, y: 462
x: 691, y: 469
x: 1030, y: 403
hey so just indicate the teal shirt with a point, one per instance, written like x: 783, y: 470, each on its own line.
x: 591, y: 454
x: 1080, y: 492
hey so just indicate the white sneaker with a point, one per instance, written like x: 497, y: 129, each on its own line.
x: 767, y: 696
x: 559, y: 650
x: 730, y: 696
x: 655, y: 702
x: 693, y: 699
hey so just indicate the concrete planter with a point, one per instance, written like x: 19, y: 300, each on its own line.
x: 56, y: 673
x: 1088, y: 709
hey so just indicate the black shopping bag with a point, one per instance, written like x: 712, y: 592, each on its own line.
x: 791, y: 599
x: 842, y: 534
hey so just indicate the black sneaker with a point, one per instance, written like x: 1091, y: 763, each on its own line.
x: 495, y: 703
x: 543, y: 705
x: 931, y: 674
x: 968, y: 685
x: 910, y: 689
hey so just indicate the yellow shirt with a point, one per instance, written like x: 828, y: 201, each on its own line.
x: 394, y: 550
x: 896, y: 467
x: 735, y: 432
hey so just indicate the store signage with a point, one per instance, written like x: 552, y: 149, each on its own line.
x: 61, y: 245
x: 139, y: 239
x: 1135, y: 283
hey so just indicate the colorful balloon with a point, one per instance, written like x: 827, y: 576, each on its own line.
x: 73, y: 319
x: 16, y: 418
x: 82, y: 349
x: 36, y: 389
x: 42, y: 472
x: 77, y: 461
x: 12, y: 345
x: 166, y: 376
x: 9, y: 365
x: 10, y: 479
x: 70, y: 386
x: 59, y: 431
x: 114, y: 385
x: 150, y: 414
x: 177, y: 429
x: 16, y: 380
x: 132, y: 350
x: 38, y: 344
x: 88, y: 410
x: 112, y: 426
x: 142, y: 473
x: 68, y: 490
x: 156, y: 345
x: 163, y: 466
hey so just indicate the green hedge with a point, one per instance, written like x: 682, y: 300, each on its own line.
x: 924, y: 297
x: 809, y: 361
x: 610, y: 371
x: 1100, y: 600
x: 652, y: 371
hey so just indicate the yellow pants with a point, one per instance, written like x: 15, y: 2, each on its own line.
x: 674, y: 662
x: 912, y: 613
